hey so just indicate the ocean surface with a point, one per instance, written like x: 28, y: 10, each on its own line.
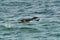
x: 47, y: 28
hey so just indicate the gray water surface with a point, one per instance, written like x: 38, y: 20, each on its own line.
x: 47, y: 28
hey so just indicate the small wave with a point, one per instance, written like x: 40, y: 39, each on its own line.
x: 45, y: 11
x: 2, y: 27
x: 55, y: 35
x: 4, y: 10
x: 16, y: 4
x: 1, y: 19
x: 29, y: 30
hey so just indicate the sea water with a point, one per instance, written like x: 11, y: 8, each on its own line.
x: 47, y: 28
